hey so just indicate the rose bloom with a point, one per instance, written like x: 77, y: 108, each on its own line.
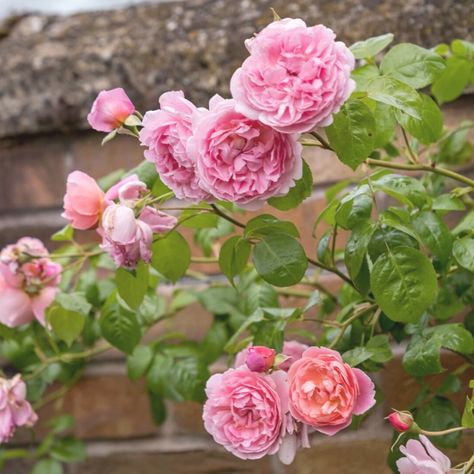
x: 325, y: 392
x: 28, y: 282
x: 293, y: 350
x: 15, y: 410
x: 166, y: 132
x: 246, y: 411
x: 84, y: 201
x: 295, y: 78
x: 421, y: 457
x: 241, y: 160
x: 109, y: 110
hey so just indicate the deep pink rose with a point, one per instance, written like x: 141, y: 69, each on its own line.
x: 241, y: 160
x: 246, y: 411
x: 401, y: 421
x: 83, y: 202
x: 295, y: 78
x: 15, y: 410
x: 325, y: 392
x: 126, y: 237
x: 109, y: 110
x: 421, y: 457
x: 28, y: 282
x: 166, y: 132
x: 260, y: 358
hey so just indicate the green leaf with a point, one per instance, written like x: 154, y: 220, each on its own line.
x: 447, y: 202
x: 455, y: 149
x: 233, y: 256
x: 429, y: 127
x: 404, y: 284
x: 354, y: 208
x: 356, y: 247
x: 261, y: 295
x: 422, y: 356
x: 139, y: 362
x: 146, y: 172
x: 132, y: 285
x: 447, y: 304
x: 158, y: 408
x: 384, y: 124
x: 120, y: 327
x: 437, y: 415
x: 463, y: 251
x: 214, y: 342
x: 110, y: 136
x: 265, y: 224
x: 76, y: 302
x: 377, y: 349
x: 392, y: 92
x: 195, y: 219
x: 412, y: 65
x: 67, y: 325
x: 434, y: 234
x: 47, y: 466
x: 465, y: 225
x: 64, y: 234
x: 297, y: 194
x: 171, y: 256
x: 68, y: 450
x: 363, y: 75
x: 371, y: 46
x: 352, y: 133
x: 385, y: 237
x: 280, y: 259
x: 468, y: 414
x: 405, y: 189
x: 454, y: 79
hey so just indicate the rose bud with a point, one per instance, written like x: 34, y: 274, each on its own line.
x: 400, y: 420
x: 109, y: 110
x: 260, y: 358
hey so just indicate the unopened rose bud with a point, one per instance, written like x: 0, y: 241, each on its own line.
x: 401, y: 420
x: 260, y: 358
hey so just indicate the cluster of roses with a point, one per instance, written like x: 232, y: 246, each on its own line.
x: 268, y: 404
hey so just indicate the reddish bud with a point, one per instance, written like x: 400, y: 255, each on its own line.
x: 401, y: 420
x: 260, y: 358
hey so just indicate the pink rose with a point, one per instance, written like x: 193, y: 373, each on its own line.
x: 109, y: 110
x: 245, y: 411
x: 325, y: 392
x: 166, y: 132
x: 295, y: 78
x: 113, y: 193
x: 401, y: 421
x: 83, y: 202
x: 241, y: 160
x: 422, y: 457
x: 28, y: 282
x: 260, y: 358
x: 15, y: 410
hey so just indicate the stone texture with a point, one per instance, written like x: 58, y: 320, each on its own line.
x: 52, y: 67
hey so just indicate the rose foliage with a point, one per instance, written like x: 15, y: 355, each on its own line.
x: 397, y: 240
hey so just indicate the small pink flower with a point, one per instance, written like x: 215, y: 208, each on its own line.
x: 28, y: 282
x: 423, y: 458
x: 109, y: 110
x: 246, y: 411
x: 401, y: 421
x: 325, y: 392
x: 241, y: 160
x: 260, y: 358
x: 83, y: 202
x: 166, y: 132
x: 15, y: 410
x: 295, y: 78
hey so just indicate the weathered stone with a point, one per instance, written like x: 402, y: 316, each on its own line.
x: 52, y: 67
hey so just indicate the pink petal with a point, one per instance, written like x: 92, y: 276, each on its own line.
x: 332, y: 430
x: 42, y: 301
x: 15, y: 306
x: 366, y: 399
x: 288, y: 448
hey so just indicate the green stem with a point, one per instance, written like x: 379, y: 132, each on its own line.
x: 227, y: 217
x: 419, y: 167
x: 332, y: 270
x: 325, y: 144
x: 204, y: 260
x: 467, y: 469
x: 443, y: 432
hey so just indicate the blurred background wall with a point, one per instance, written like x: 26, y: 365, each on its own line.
x: 53, y: 63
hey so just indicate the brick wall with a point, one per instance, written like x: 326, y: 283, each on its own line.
x: 112, y: 413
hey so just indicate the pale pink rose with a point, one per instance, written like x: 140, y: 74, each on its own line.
x: 421, y: 457
x: 401, y: 421
x: 295, y: 78
x: 246, y: 411
x: 113, y: 193
x: 241, y: 160
x: 260, y: 358
x: 15, y: 410
x: 128, y: 239
x: 166, y: 132
x: 84, y: 201
x: 109, y: 110
x: 325, y: 392
x: 28, y: 284
x: 293, y: 350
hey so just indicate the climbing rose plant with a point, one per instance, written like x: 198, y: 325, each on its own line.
x: 299, y: 366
